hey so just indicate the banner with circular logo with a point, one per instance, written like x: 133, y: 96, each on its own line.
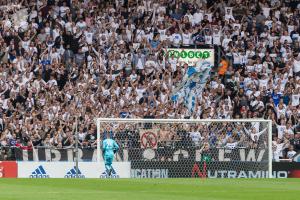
x: 149, y: 138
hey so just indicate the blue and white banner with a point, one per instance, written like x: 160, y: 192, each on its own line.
x: 192, y: 84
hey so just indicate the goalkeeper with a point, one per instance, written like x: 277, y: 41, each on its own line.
x: 109, y: 148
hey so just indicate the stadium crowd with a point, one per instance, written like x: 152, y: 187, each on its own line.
x: 93, y: 58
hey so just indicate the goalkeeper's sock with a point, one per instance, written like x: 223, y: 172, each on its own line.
x: 107, y: 169
x: 109, y: 174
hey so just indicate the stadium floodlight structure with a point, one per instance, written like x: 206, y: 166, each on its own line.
x: 213, y: 148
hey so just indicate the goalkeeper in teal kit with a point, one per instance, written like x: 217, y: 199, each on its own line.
x: 109, y: 148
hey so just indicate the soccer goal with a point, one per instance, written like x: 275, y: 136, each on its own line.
x: 176, y: 148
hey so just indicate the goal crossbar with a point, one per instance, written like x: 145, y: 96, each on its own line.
x: 179, y: 120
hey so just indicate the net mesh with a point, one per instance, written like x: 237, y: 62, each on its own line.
x: 213, y: 149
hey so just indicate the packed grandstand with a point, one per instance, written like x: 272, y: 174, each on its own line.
x: 89, y: 58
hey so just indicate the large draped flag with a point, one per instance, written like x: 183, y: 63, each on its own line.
x: 192, y: 84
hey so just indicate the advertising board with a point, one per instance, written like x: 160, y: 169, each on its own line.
x: 8, y: 169
x: 191, y: 56
x: 68, y: 170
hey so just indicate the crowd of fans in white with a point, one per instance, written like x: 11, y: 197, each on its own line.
x: 93, y: 58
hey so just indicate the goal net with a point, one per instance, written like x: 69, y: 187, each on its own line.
x: 175, y: 148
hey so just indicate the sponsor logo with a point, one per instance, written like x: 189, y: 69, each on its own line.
x: 39, y: 173
x: 189, y: 53
x: 149, y: 173
x: 112, y: 175
x: 72, y: 173
x: 234, y: 174
x: 196, y: 171
x: 245, y: 174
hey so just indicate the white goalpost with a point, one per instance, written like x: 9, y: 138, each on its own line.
x: 212, y: 148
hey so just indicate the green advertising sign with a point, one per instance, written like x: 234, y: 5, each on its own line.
x: 191, y: 56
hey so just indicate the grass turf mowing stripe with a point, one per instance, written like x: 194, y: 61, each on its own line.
x: 148, y: 189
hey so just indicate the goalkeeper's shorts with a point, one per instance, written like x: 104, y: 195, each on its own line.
x: 108, y: 159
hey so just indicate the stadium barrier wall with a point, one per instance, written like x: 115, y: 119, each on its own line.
x: 139, y: 169
x: 68, y: 170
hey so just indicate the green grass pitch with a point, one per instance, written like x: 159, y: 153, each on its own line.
x: 149, y: 189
